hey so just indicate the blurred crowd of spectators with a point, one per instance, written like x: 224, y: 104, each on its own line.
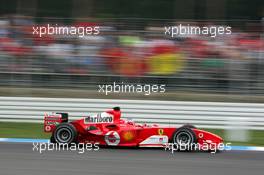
x: 130, y: 53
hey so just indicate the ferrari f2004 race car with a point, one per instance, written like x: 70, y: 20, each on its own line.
x: 108, y: 129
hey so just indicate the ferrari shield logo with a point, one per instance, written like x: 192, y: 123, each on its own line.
x: 160, y: 131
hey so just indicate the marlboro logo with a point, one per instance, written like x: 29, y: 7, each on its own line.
x: 100, y: 118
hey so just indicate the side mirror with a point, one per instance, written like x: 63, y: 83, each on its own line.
x: 91, y: 128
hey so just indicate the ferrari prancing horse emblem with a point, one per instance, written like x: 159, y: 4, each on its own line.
x: 160, y: 131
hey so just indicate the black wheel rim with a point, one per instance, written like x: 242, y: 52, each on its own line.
x: 183, y: 138
x: 64, y: 135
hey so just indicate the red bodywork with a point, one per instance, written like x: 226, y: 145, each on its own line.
x: 114, y: 131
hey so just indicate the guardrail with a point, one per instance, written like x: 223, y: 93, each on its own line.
x: 174, y: 113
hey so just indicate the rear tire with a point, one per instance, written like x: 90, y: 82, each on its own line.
x: 184, y: 139
x: 64, y: 133
x: 52, y: 140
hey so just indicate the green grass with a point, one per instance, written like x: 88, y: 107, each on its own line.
x: 22, y: 130
x: 33, y: 130
x: 256, y: 137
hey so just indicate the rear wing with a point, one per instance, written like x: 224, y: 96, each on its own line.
x: 51, y: 121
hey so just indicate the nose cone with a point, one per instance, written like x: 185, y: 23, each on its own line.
x: 208, y: 136
x: 216, y: 138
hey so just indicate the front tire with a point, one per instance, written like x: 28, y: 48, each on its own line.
x: 189, y: 126
x: 65, y: 133
x: 184, y: 139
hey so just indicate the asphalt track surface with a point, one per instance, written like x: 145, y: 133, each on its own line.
x: 20, y: 159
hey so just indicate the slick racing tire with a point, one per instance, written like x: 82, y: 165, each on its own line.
x: 184, y: 139
x: 64, y: 133
x: 52, y: 140
x: 188, y: 126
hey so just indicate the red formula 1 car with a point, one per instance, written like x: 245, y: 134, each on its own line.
x: 108, y: 129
